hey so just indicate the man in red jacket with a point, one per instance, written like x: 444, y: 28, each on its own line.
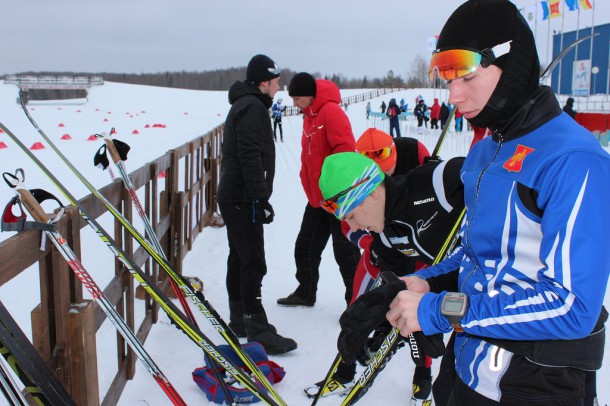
x: 326, y: 131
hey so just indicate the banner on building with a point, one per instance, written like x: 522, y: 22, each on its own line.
x: 581, y: 75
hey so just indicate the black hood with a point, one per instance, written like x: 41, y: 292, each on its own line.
x: 241, y: 89
x: 481, y: 24
x: 538, y: 110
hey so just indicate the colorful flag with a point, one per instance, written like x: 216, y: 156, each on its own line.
x: 585, y: 4
x: 554, y: 8
x: 545, y: 10
x: 572, y: 4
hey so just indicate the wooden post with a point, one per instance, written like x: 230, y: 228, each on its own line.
x: 83, y: 353
x: 49, y: 318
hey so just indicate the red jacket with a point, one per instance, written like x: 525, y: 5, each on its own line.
x: 435, y: 110
x: 326, y: 131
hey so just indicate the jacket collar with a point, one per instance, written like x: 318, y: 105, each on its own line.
x: 538, y: 110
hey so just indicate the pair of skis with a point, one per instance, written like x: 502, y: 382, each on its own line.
x: 390, y: 344
x: 18, y: 352
x: 118, y: 152
x: 258, y: 384
x: 32, y: 200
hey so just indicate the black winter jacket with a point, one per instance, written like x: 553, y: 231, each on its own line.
x: 248, y: 150
x: 421, y: 208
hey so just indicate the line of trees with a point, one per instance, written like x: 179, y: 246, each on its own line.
x: 222, y: 79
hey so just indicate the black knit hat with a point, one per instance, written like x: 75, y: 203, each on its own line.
x: 261, y: 68
x: 481, y: 24
x: 302, y: 84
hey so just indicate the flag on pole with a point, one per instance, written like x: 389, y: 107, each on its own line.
x: 554, y: 8
x: 572, y: 4
x: 545, y: 10
x: 585, y: 4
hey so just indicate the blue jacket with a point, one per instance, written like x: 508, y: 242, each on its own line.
x: 276, y: 111
x: 534, y: 254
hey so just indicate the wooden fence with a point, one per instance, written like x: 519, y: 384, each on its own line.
x: 64, y: 324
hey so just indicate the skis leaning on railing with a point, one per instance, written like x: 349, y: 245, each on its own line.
x: 197, y: 297
x: 31, y: 200
x: 179, y: 319
x: 118, y: 152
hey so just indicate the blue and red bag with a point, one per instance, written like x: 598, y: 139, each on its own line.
x: 204, y: 377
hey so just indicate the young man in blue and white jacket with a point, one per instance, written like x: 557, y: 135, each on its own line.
x: 533, y: 260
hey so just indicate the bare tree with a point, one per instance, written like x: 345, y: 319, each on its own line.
x: 418, y: 75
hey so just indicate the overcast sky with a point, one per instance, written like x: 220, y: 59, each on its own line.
x: 354, y: 38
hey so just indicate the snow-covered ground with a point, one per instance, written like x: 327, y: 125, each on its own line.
x: 187, y: 114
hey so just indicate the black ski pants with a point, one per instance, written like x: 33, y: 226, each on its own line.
x: 316, y: 228
x: 277, y: 123
x: 394, y: 125
x: 246, y: 265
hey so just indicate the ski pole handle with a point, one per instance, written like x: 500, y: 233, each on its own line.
x: 114, y: 154
x: 32, y: 206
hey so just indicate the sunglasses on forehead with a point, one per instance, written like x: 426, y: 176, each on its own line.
x: 450, y: 64
x: 331, y: 204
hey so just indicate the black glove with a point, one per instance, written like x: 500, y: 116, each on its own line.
x: 363, y: 316
x: 373, y: 344
x: 262, y: 212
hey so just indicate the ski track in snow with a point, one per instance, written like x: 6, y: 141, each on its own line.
x: 188, y: 114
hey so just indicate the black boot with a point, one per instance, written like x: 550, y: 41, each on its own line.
x: 296, y: 298
x: 258, y: 329
x: 236, y: 322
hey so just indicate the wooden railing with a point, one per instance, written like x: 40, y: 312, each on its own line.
x: 64, y: 324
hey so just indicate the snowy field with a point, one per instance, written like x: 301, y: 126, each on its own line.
x: 187, y: 114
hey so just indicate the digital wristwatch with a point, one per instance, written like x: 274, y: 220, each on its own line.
x: 454, y: 307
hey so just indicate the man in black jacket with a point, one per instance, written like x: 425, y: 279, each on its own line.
x: 246, y: 184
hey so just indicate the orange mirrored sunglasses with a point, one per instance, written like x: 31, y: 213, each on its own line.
x: 331, y: 205
x: 450, y: 64
x: 378, y: 154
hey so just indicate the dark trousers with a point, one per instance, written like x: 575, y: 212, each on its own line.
x: 434, y: 123
x: 535, y: 386
x: 462, y: 395
x: 394, y: 125
x: 246, y: 264
x: 277, y: 123
x: 316, y: 228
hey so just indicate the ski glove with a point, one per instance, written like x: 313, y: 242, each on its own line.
x: 262, y: 212
x: 363, y: 316
x: 373, y: 344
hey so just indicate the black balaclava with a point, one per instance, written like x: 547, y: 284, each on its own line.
x: 481, y: 24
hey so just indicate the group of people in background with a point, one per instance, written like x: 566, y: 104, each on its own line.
x: 522, y: 294
x: 437, y: 114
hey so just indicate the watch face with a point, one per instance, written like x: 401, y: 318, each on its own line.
x: 453, y: 306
